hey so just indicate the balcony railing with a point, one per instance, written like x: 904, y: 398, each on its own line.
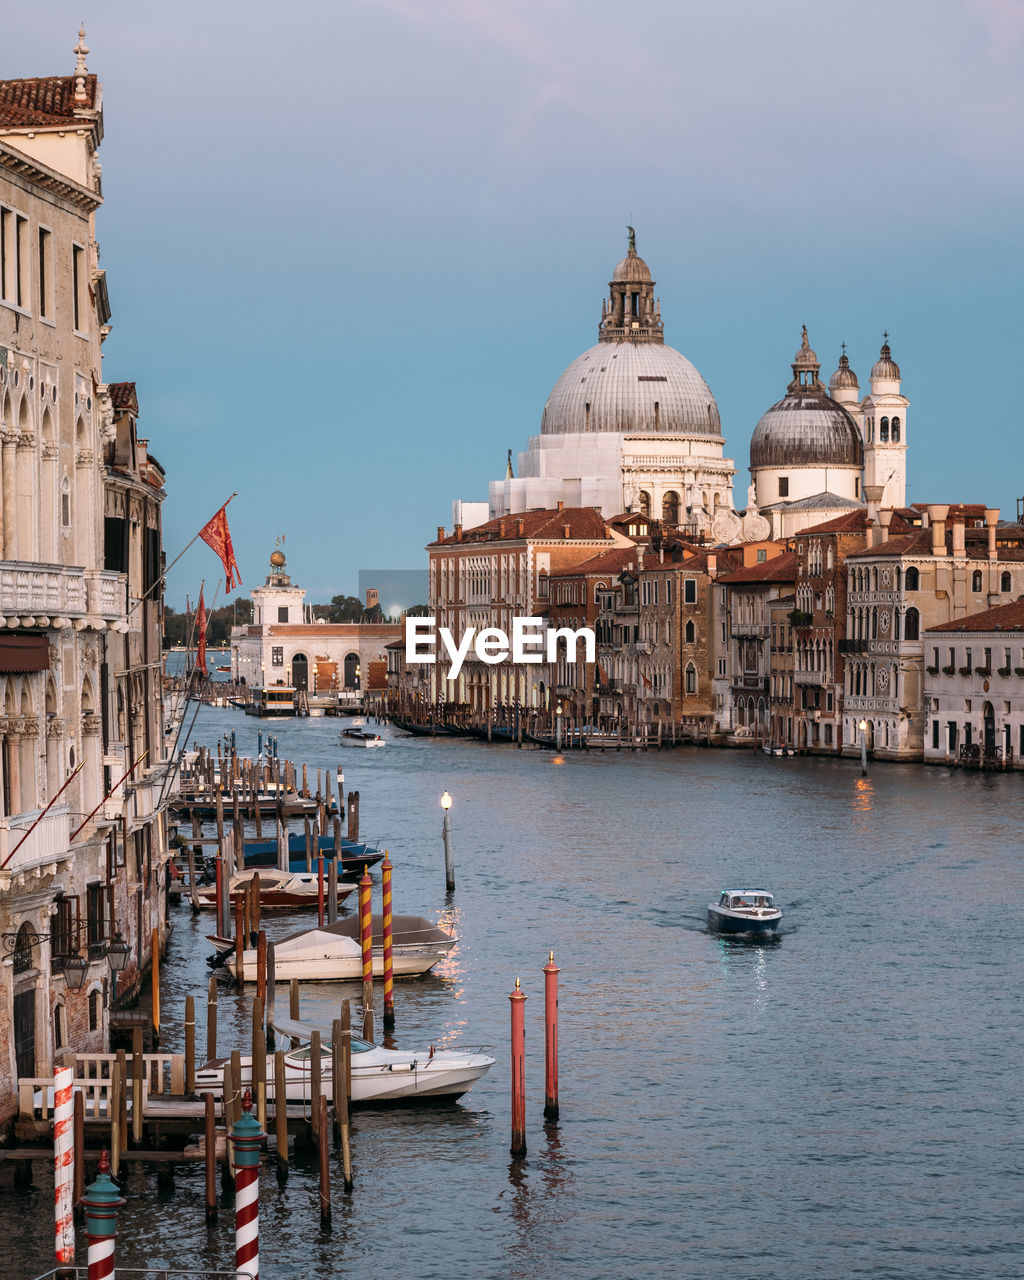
x: 750, y: 629
x: 46, y: 842
x: 853, y: 646
x: 41, y: 590
x: 815, y: 678
x: 106, y: 593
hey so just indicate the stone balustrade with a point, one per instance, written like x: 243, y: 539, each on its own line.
x: 46, y: 843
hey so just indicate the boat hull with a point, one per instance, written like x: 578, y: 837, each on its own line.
x: 727, y: 921
x: 407, y: 962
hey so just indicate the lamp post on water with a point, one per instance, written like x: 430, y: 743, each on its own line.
x: 558, y: 727
x: 863, y: 748
x: 446, y: 832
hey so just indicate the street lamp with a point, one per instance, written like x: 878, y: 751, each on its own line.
x: 446, y: 835
x: 73, y: 966
x: 558, y: 727
x: 863, y: 748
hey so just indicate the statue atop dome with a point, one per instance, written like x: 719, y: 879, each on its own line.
x: 632, y: 240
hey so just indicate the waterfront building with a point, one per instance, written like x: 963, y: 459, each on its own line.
x: 749, y: 594
x: 80, y: 603
x: 286, y: 645
x: 974, y: 687
x: 781, y: 671
x: 960, y: 561
x: 484, y: 577
x: 629, y: 425
x: 813, y: 452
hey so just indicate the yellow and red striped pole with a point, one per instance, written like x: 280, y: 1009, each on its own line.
x: 101, y: 1202
x: 389, y: 976
x: 551, y: 972
x: 518, y: 1000
x: 366, y: 937
x: 63, y: 1165
x: 246, y: 1137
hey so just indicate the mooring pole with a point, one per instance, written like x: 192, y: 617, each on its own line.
x: 518, y: 1000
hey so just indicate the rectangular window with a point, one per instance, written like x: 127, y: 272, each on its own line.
x: 762, y: 555
x: 935, y: 735
x: 151, y: 568
x: 655, y: 600
x: 282, y: 613
x: 783, y: 486
x: 96, y: 915
x: 78, y: 285
x: 277, y: 656
x: 45, y: 274
x: 690, y: 590
x: 21, y: 287
x: 721, y: 666
x: 935, y: 657
x: 115, y: 544
x: 668, y: 590
x: 856, y: 486
x: 6, y: 253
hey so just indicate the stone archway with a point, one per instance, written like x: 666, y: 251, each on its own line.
x: 352, y: 671
x: 988, y: 717
x: 300, y: 671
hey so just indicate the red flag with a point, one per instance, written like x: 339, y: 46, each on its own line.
x: 201, y: 635
x: 215, y: 534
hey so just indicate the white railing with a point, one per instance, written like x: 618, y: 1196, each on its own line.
x: 46, y: 842
x: 49, y: 590
x: 106, y: 593
x: 750, y: 628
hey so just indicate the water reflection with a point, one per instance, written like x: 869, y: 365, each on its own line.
x: 863, y: 795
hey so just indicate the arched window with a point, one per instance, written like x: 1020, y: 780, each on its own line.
x: 94, y: 1010
x: 670, y: 508
x: 912, y: 625
x: 976, y: 580
x: 65, y: 503
x: 1005, y: 582
x: 913, y: 579
x: 895, y: 437
x: 883, y: 431
x: 23, y: 945
x: 691, y: 633
x: 645, y: 503
x: 691, y: 678
x: 542, y: 586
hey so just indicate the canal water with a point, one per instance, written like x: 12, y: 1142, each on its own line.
x: 845, y: 1102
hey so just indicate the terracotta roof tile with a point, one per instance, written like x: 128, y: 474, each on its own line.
x: 853, y: 522
x: 779, y: 569
x: 123, y: 396
x: 45, y: 100
x: 607, y: 562
x: 1004, y: 617
x: 585, y: 523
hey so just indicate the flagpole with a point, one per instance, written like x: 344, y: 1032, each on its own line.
x: 176, y: 559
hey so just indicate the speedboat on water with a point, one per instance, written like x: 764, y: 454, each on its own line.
x: 378, y: 1075
x: 360, y: 738
x: 749, y: 911
x: 333, y: 953
x: 277, y: 888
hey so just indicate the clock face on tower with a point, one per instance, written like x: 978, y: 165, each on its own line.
x: 883, y: 678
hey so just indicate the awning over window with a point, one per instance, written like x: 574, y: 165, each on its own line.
x: 24, y: 653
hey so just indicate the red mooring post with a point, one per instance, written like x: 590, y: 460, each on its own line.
x: 551, y: 972
x: 389, y: 976
x: 246, y: 1137
x: 518, y: 1000
x: 101, y: 1202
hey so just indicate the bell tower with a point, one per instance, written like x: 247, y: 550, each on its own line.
x: 884, y: 422
x: 631, y: 313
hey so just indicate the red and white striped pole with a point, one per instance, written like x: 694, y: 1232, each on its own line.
x: 101, y: 1202
x: 389, y: 975
x: 246, y: 1137
x: 551, y: 972
x: 518, y: 1000
x: 64, y: 1165
x: 366, y: 938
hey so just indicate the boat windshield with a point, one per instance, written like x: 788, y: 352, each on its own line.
x: 303, y: 1054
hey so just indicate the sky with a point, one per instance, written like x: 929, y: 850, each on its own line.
x: 351, y: 247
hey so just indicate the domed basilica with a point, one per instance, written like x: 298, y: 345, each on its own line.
x: 632, y: 426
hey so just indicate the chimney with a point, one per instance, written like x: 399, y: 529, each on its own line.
x: 661, y: 555
x: 937, y: 523
x: 440, y: 533
x: 458, y: 533
x: 885, y: 519
x: 712, y: 563
x: 561, y: 504
x: 520, y: 528
x: 871, y: 529
x: 992, y: 519
x: 501, y: 528
x: 959, y: 537
x: 873, y: 496
x: 565, y: 529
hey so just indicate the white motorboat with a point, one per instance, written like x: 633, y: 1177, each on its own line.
x: 333, y: 953
x: 378, y: 1075
x: 744, y: 911
x: 277, y: 888
x: 361, y: 738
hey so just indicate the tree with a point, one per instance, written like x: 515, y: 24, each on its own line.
x: 419, y: 611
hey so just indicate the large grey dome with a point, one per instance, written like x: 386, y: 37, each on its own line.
x: 642, y: 388
x: 806, y: 429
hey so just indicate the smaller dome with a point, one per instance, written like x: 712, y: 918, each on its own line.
x: 885, y: 367
x: 805, y: 358
x: 277, y: 560
x: 632, y: 267
x: 844, y: 376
